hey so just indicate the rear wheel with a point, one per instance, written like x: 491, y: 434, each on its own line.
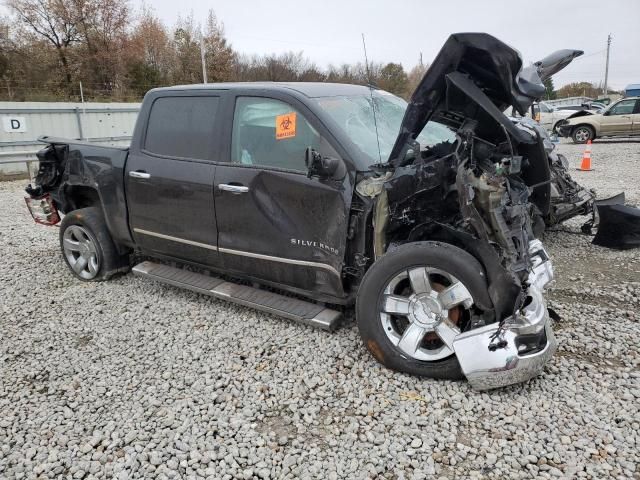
x: 87, y: 246
x: 412, y: 304
x: 582, y: 134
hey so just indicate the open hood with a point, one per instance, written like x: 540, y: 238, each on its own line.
x: 475, y: 76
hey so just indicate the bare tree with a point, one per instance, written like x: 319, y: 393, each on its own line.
x: 414, y: 77
x: 53, y: 20
x: 148, y: 53
x: 103, y: 25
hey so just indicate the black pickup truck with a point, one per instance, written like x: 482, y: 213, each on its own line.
x: 305, y: 199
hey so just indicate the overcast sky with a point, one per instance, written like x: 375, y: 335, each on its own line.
x: 328, y: 31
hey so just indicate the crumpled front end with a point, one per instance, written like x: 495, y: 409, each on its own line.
x: 472, y: 194
x: 516, y: 349
x: 487, y: 192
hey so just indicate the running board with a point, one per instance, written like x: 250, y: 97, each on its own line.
x: 292, y: 308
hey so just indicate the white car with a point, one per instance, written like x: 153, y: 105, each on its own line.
x: 549, y: 117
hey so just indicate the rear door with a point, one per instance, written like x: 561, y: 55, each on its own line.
x: 169, y: 176
x: 617, y: 120
x: 275, y: 223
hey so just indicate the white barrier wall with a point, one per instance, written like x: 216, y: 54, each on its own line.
x: 21, y: 123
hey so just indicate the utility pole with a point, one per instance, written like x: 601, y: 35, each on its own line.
x: 204, y: 65
x: 606, y: 69
x: 421, y: 64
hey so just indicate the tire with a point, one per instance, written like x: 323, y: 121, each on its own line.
x: 87, y: 246
x: 379, y: 330
x: 582, y: 134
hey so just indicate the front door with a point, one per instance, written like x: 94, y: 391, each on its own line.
x: 169, y: 178
x: 275, y: 223
x: 617, y: 120
x: 635, y: 119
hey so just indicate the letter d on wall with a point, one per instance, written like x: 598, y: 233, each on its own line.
x: 14, y: 124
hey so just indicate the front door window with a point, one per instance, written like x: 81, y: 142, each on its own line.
x: 271, y: 133
x: 624, y: 107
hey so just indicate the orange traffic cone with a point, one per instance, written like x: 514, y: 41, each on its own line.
x: 585, y: 166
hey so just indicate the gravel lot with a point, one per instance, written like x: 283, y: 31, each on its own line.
x: 131, y: 379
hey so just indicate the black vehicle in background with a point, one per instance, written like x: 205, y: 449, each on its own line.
x: 424, y: 216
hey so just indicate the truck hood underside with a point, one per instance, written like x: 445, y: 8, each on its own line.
x: 482, y: 67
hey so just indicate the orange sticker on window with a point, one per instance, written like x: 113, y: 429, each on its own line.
x: 286, y: 126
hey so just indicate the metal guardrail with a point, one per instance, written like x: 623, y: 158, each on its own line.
x: 96, y: 123
x: 22, y: 156
x: 69, y: 110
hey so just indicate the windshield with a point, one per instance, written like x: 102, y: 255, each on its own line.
x: 353, y: 113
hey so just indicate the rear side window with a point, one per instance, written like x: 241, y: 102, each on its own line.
x: 182, y: 127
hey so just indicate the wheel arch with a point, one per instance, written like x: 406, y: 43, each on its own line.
x: 592, y: 127
x: 503, y: 286
x: 441, y: 234
x: 81, y: 196
x: 84, y: 196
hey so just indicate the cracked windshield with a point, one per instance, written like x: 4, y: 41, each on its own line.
x: 354, y: 115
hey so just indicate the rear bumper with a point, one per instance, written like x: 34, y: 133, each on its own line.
x: 527, y: 340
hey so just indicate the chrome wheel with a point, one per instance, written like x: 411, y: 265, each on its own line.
x: 81, y: 252
x: 582, y: 134
x: 421, y: 311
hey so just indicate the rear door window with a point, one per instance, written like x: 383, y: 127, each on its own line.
x: 182, y: 127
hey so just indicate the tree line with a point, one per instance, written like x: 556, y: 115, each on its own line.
x: 49, y: 47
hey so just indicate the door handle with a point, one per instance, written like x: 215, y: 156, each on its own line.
x: 233, y: 188
x: 139, y: 174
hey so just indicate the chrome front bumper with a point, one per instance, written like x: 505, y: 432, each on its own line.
x: 527, y: 340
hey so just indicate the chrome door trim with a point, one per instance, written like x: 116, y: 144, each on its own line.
x: 229, y: 251
x: 175, y: 239
x: 290, y: 261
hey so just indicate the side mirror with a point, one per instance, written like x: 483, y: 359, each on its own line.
x: 323, y: 167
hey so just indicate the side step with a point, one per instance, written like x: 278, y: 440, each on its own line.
x: 291, y: 308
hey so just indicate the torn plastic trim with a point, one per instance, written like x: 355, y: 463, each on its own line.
x: 527, y: 341
x: 486, y: 370
x: 542, y: 270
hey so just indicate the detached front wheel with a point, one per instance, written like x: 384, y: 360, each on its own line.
x: 414, y: 301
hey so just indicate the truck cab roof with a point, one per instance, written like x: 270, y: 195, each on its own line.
x: 308, y: 89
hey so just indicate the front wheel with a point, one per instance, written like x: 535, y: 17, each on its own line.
x: 582, y: 134
x: 414, y: 301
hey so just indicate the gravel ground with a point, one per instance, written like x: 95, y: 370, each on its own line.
x: 131, y: 379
